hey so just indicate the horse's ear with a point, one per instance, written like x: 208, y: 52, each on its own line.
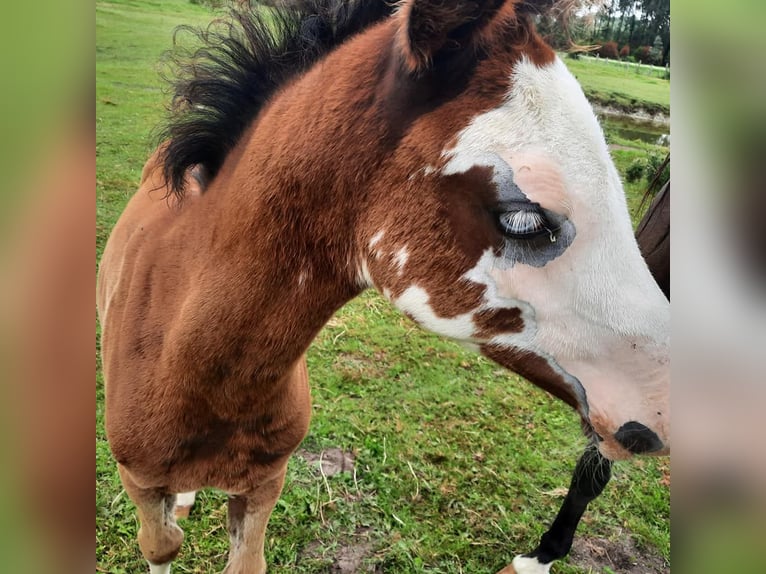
x: 429, y: 28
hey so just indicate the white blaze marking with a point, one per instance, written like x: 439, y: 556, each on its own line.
x: 596, y: 305
x: 526, y: 565
x: 602, y: 279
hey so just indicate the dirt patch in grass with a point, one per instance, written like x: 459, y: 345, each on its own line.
x: 349, y: 556
x: 622, y: 556
x: 359, y: 367
x: 330, y: 461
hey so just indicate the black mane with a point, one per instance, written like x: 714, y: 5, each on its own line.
x: 238, y: 63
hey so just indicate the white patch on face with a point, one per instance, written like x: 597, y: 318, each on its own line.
x: 526, y: 565
x: 159, y: 568
x: 596, y: 304
x: 400, y: 258
x: 481, y: 273
x: 546, y: 113
x: 414, y: 302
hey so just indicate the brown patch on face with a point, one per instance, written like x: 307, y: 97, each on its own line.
x: 445, y: 234
x: 534, y: 368
x: 491, y: 322
x: 445, y: 222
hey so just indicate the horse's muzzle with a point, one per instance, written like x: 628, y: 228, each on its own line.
x: 638, y: 438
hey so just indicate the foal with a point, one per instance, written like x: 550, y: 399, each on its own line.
x: 441, y: 154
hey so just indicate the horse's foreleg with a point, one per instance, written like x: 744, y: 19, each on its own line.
x: 158, y: 536
x: 248, y: 515
x: 591, y: 475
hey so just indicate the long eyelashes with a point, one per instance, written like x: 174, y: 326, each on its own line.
x: 522, y: 222
x: 526, y: 224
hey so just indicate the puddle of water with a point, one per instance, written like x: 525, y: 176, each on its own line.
x: 634, y: 130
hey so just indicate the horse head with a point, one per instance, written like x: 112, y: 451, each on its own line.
x: 499, y: 219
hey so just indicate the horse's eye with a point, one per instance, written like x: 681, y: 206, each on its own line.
x: 524, y: 224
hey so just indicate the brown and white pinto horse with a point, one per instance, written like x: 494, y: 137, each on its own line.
x: 441, y: 154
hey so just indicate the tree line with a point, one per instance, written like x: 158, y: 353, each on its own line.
x: 625, y: 29
x: 637, y: 30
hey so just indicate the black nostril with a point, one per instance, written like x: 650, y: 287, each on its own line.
x: 638, y: 438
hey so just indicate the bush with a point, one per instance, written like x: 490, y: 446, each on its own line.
x: 636, y: 169
x: 643, y: 54
x: 646, y: 168
x: 609, y: 50
x: 653, y: 164
x: 625, y: 52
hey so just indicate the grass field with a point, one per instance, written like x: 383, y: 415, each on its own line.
x: 622, y: 85
x: 459, y: 464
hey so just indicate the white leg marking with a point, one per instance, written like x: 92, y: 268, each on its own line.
x: 186, y: 498
x: 526, y: 565
x: 159, y: 568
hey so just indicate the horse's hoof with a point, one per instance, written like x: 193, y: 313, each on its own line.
x: 508, y: 570
x: 182, y: 512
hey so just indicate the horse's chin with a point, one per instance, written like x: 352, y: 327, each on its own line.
x: 612, y: 451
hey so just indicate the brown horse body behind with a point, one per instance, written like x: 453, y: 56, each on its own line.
x: 653, y: 236
x: 435, y: 156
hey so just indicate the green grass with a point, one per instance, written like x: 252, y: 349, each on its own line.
x: 613, y: 83
x: 460, y: 464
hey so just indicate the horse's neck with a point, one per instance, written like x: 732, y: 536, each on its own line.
x: 273, y: 268
x: 287, y: 208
